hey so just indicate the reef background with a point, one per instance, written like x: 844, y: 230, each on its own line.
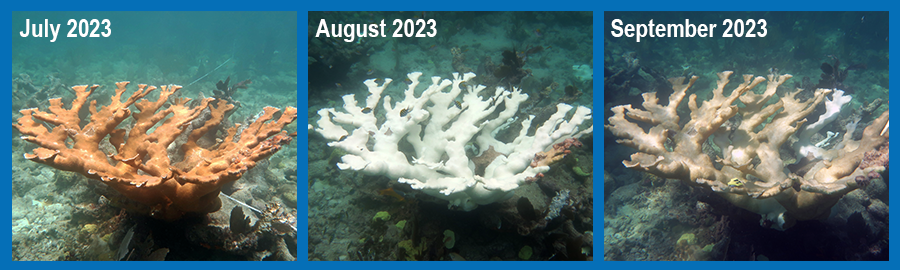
x: 59, y: 215
x: 648, y: 218
x: 547, y: 54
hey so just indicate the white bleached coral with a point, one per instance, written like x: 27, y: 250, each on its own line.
x: 438, y: 124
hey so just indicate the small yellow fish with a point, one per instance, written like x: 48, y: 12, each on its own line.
x: 366, y: 110
x: 736, y: 182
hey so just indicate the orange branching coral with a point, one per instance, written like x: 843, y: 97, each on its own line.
x: 141, y: 168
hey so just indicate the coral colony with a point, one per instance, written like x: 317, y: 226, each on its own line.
x: 747, y: 168
x: 142, y: 162
x: 440, y: 125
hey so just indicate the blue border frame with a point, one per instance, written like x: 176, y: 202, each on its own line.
x: 302, y: 8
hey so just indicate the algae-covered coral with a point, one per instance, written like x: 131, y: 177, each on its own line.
x: 805, y: 153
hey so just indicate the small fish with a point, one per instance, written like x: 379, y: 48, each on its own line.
x: 862, y: 20
x: 342, y: 138
x: 366, y: 110
x: 370, y: 71
x: 408, y: 81
x: 379, y: 80
x: 735, y: 182
x: 463, y: 85
x: 338, y: 85
x: 537, y: 32
x: 433, y: 46
x: 390, y: 192
x: 458, y: 104
x: 404, y: 112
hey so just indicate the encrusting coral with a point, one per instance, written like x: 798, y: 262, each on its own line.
x: 748, y: 169
x: 141, y: 168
